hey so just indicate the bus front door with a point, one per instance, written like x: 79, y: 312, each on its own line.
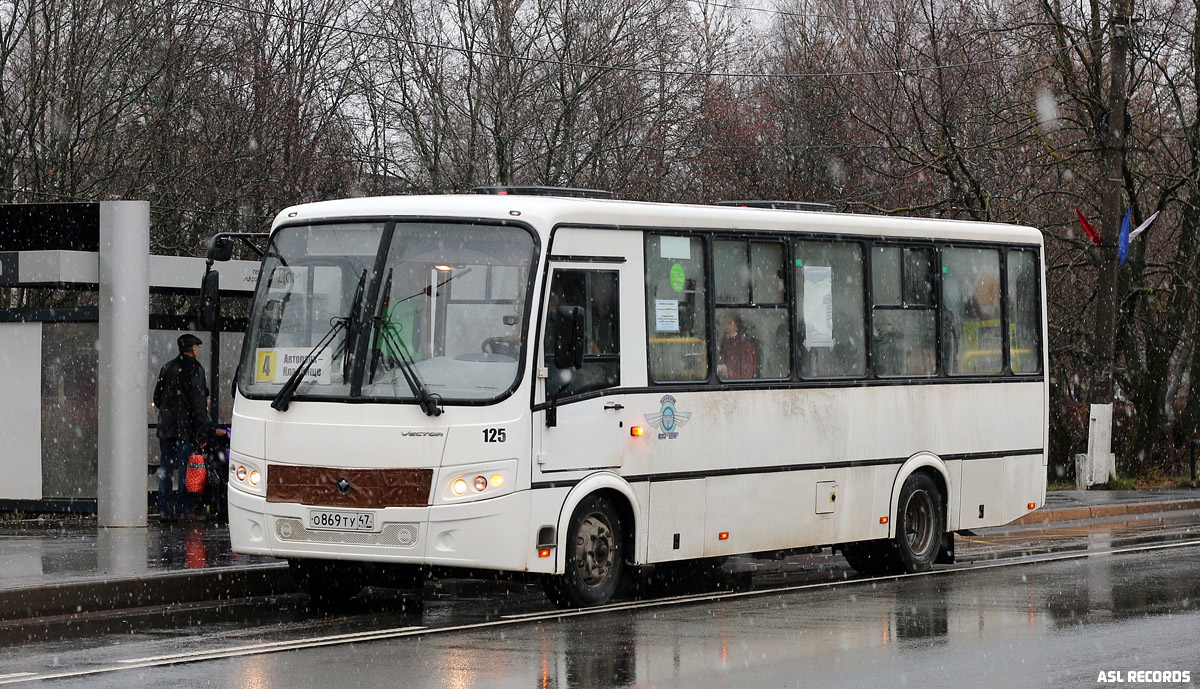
x: 581, y: 424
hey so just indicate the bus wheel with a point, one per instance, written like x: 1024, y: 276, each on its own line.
x: 328, y: 582
x: 594, y: 557
x: 919, y: 525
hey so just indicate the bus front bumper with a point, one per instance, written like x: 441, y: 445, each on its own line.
x: 486, y: 534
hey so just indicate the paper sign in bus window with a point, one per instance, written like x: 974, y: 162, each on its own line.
x: 666, y: 315
x: 675, y: 247
x: 818, y: 306
x: 277, y: 365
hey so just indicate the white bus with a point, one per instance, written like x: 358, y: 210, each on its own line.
x: 576, y: 387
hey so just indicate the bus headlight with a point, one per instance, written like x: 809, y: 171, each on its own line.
x: 246, y: 474
x: 475, y: 482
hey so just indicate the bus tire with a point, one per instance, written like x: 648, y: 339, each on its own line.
x: 920, y: 523
x: 327, y: 582
x: 594, y: 556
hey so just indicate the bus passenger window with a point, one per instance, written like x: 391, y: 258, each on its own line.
x: 752, y: 331
x: 971, y: 333
x: 677, y: 331
x: 903, y: 315
x: 596, y: 291
x: 830, y: 317
x: 1024, y: 305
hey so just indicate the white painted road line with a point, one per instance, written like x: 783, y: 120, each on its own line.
x: 269, y: 646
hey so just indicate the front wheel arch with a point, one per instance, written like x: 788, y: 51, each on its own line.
x: 621, y: 494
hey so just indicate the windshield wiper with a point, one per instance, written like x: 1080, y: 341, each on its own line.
x: 284, y: 396
x: 387, y: 332
x: 381, y: 316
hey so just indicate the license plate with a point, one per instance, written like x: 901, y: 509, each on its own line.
x: 341, y: 521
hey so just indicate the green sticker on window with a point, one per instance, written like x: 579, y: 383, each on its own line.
x: 678, y: 279
x: 799, y: 262
x: 945, y: 270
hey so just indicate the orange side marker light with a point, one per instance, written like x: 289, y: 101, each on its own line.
x: 883, y: 520
x: 723, y: 536
x: 1032, y: 505
x: 544, y: 552
x: 637, y: 431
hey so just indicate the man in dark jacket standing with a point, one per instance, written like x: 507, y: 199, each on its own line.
x: 181, y: 396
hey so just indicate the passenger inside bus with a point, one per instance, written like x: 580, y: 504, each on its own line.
x: 738, y: 355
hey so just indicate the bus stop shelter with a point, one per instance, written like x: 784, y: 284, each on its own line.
x: 78, y: 425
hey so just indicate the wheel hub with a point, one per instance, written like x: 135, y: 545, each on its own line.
x: 594, y: 550
x: 918, y: 522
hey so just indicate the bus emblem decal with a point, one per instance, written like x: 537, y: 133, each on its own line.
x: 669, y: 419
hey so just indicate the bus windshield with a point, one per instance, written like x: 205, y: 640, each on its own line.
x: 444, y: 318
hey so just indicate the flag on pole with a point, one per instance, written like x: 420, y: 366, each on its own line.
x: 1087, y: 227
x: 1133, y: 235
x: 1123, y: 238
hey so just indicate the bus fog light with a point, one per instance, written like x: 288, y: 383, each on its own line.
x: 255, y: 477
x: 480, y: 483
x: 241, y: 473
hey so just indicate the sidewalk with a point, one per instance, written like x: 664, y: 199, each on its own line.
x: 1069, y: 505
x: 69, y: 565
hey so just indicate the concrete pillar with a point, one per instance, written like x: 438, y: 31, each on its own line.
x: 124, y: 357
x: 1099, y: 463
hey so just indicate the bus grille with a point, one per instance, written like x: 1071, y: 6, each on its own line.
x: 330, y: 487
x: 400, y: 535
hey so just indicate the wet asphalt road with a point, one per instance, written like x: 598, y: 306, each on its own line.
x: 1011, y: 619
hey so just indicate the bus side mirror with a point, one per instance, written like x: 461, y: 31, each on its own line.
x: 221, y: 249
x: 569, y: 337
x: 210, y: 301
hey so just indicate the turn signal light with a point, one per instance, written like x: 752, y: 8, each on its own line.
x: 637, y: 431
x: 497, y: 480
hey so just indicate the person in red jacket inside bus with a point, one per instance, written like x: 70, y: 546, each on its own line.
x: 739, y: 359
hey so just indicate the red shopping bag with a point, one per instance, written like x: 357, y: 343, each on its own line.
x: 196, y: 477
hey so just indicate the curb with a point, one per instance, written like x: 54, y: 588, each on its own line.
x: 126, y: 593
x: 1064, y: 514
